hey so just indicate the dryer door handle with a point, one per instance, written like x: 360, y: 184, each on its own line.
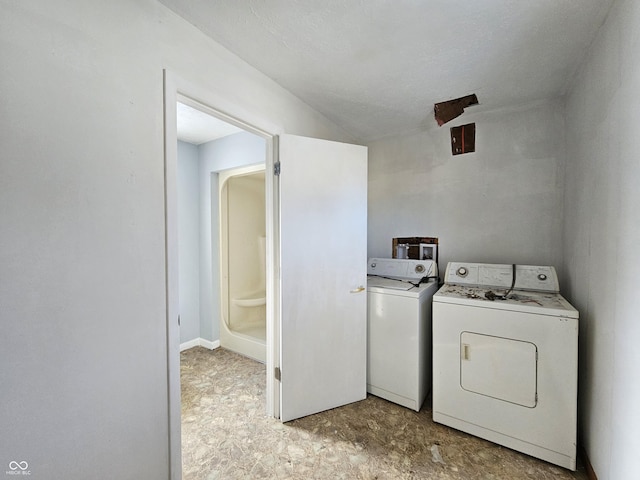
x: 358, y: 290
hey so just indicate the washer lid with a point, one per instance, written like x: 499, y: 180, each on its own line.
x: 389, y: 283
x: 400, y: 288
x: 527, y: 301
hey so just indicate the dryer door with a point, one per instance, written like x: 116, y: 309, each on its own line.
x: 501, y: 368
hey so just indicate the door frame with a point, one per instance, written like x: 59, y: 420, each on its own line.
x: 178, y: 89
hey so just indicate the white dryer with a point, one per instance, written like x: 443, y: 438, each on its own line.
x: 505, y: 358
x: 399, y: 329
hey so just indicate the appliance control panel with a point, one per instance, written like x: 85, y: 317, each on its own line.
x: 402, y: 268
x: 528, y: 277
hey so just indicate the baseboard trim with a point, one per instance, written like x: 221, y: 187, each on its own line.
x: 200, y: 342
x: 591, y: 473
x: 209, y: 344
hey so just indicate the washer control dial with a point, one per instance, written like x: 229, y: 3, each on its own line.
x: 542, y: 277
x: 462, y: 272
x: 419, y: 268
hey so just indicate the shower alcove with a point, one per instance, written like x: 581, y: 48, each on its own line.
x: 242, y: 261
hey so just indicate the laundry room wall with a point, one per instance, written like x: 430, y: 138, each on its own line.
x: 83, y: 291
x: 602, y: 241
x: 233, y: 151
x: 501, y: 204
x: 188, y: 241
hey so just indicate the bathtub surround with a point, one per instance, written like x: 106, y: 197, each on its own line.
x: 234, y: 151
x: 243, y: 261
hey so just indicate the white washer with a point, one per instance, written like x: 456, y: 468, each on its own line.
x: 506, y: 370
x: 399, y: 329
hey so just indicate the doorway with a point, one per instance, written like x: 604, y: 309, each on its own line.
x: 319, y: 210
x: 201, y: 99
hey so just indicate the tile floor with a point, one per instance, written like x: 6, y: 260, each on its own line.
x: 226, y: 435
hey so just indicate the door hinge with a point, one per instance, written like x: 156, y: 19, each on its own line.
x: 178, y: 320
x: 278, y: 374
x: 276, y: 169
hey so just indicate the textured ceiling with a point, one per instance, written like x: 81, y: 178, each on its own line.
x: 376, y: 67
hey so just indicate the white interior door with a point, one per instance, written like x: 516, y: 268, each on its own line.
x: 323, y: 238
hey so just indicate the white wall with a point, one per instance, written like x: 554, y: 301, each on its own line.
x: 189, y: 241
x: 82, y: 253
x: 501, y: 204
x: 602, y: 241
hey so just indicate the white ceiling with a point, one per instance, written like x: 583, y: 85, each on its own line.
x: 198, y: 127
x: 376, y: 67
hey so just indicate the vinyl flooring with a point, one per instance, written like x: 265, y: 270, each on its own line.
x: 227, y: 435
